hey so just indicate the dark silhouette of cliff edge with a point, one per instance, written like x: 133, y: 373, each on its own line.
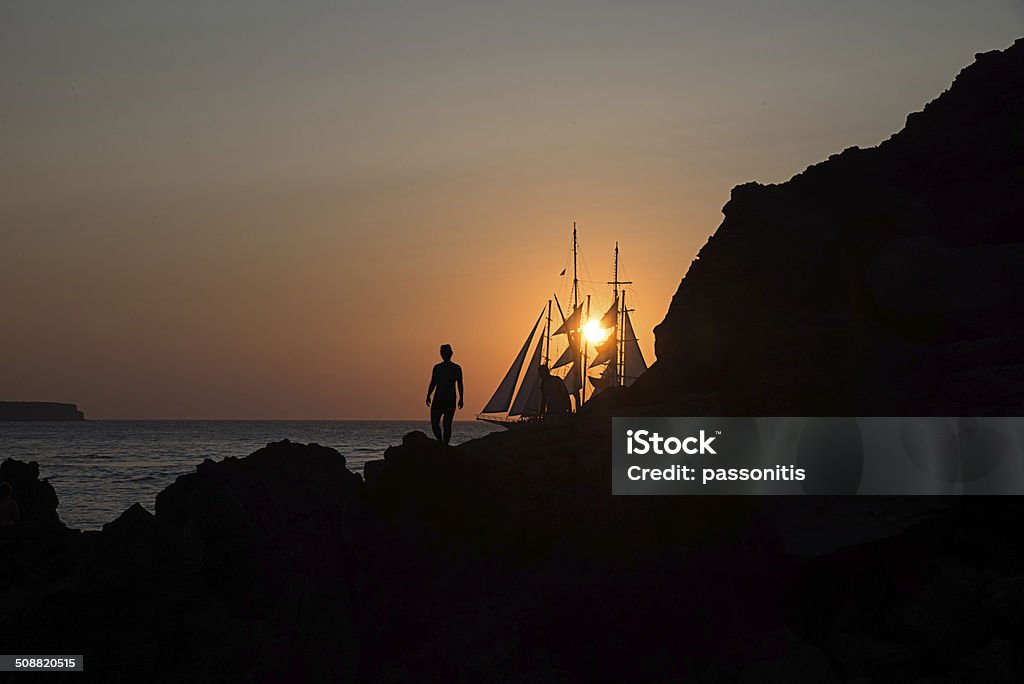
x: 883, y: 281
x: 39, y: 410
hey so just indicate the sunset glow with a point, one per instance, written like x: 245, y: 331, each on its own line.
x: 594, y: 333
x: 191, y: 236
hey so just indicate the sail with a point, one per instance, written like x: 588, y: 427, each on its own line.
x: 605, y: 380
x: 574, y: 377
x: 567, y: 357
x: 573, y: 380
x: 502, y: 398
x: 605, y: 354
x: 527, y: 401
x: 633, y: 359
x: 572, y: 323
x: 611, y: 318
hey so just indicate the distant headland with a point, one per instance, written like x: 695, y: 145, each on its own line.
x: 39, y: 410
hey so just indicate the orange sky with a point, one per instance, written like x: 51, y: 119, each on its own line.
x: 261, y: 211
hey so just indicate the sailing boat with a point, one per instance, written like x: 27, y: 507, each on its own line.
x: 526, y: 402
x: 620, y: 354
x: 516, y: 401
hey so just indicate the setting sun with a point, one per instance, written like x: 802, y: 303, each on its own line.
x: 594, y: 333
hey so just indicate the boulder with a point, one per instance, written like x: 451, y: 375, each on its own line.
x: 247, y: 525
x: 37, y: 500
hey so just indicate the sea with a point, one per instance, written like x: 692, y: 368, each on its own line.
x: 101, y: 467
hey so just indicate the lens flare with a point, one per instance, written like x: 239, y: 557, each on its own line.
x: 594, y: 333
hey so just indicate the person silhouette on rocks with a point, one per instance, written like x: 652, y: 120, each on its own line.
x: 443, y: 382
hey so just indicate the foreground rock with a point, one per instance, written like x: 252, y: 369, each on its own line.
x: 243, y: 572
x: 40, y: 548
x: 450, y: 565
x: 499, y: 560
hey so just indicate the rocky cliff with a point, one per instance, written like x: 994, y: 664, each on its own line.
x: 883, y: 281
x: 39, y: 410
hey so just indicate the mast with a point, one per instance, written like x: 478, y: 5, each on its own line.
x: 581, y: 343
x: 583, y: 351
x: 575, y: 281
x: 547, y: 335
x: 622, y: 341
x: 619, y: 333
x: 559, y: 305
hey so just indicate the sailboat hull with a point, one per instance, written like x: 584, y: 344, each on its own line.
x: 507, y: 423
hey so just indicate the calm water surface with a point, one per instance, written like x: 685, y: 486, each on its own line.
x: 99, y: 468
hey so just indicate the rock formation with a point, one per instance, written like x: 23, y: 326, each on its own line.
x: 39, y: 410
x: 505, y: 559
x: 883, y: 281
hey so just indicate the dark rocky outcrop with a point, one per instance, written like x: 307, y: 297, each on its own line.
x: 39, y: 410
x: 243, y: 571
x: 36, y: 498
x: 40, y: 548
x: 883, y: 281
x: 506, y: 559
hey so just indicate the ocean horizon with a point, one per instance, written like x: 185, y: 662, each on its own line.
x: 101, y: 467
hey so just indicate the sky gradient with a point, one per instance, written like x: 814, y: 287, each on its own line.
x: 280, y: 210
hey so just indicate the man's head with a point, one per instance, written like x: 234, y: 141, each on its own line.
x: 446, y: 352
x: 544, y: 372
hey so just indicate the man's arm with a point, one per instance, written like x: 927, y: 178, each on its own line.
x: 461, y: 388
x: 543, y: 400
x: 433, y: 384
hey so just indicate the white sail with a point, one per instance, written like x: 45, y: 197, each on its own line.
x: 502, y: 398
x: 527, y: 401
x: 633, y: 359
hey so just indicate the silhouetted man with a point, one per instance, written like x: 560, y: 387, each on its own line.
x: 554, y: 396
x: 444, y: 379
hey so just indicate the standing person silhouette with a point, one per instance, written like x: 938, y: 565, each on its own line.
x: 444, y: 379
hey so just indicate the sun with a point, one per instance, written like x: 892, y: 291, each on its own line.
x: 594, y: 333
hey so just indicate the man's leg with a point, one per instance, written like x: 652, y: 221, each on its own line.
x: 449, y: 415
x: 435, y: 420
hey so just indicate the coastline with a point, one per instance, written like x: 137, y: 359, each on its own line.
x: 511, y: 537
x: 101, y: 467
x: 39, y: 411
